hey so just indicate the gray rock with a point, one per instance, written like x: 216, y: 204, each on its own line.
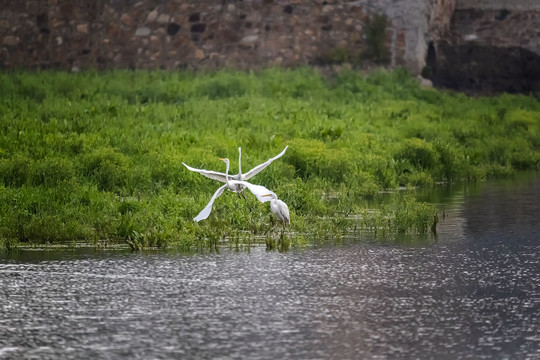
x: 143, y: 31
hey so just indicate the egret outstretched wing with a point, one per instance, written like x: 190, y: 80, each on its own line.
x: 209, y: 173
x: 257, y: 169
x: 208, y: 209
x: 258, y: 190
x: 219, y: 176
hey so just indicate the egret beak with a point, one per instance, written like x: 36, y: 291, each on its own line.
x: 268, y: 195
x: 221, y: 159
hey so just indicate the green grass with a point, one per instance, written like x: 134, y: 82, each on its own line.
x: 97, y: 157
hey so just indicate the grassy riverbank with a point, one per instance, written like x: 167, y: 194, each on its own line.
x: 98, y: 156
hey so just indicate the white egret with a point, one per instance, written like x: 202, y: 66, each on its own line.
x: 234, y: 186
x: 219, y: 176
x: 279, y: 208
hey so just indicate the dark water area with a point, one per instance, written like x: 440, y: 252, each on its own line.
x: 471, y: 293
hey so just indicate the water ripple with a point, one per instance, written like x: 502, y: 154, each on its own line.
x: 472, y: 294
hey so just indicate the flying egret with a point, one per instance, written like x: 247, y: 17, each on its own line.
x: 279, y: 208
x: 219, y: 176
x: 233, y: 185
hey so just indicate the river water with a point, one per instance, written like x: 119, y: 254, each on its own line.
x: 471, y: 293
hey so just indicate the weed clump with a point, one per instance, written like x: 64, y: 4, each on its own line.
x: 403, y: 215
x: 375, y: 31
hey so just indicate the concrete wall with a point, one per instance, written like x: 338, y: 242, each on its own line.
x: 178, y: 34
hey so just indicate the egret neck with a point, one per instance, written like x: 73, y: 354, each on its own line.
x: 231, y: 184
x: 240, y: 164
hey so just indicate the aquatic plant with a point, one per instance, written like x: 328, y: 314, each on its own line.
x: 97, y: 157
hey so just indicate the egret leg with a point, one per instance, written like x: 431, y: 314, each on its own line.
x: 247, y: 204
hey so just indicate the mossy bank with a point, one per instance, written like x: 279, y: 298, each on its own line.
x: 97, y: 157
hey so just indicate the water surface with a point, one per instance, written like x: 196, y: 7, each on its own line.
x: 471, y: 293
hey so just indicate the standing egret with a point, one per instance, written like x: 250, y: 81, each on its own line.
x: 279, y: 208
x: 234, y: 186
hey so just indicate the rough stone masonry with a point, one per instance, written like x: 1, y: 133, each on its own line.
x: 242, y: 34
x: 464, y: 44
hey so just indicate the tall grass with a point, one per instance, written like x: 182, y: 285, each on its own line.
x: 97, y: 156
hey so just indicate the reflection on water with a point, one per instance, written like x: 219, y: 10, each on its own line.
x: 474, y: 293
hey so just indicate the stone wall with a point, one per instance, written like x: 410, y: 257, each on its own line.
x: 179, y: 34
